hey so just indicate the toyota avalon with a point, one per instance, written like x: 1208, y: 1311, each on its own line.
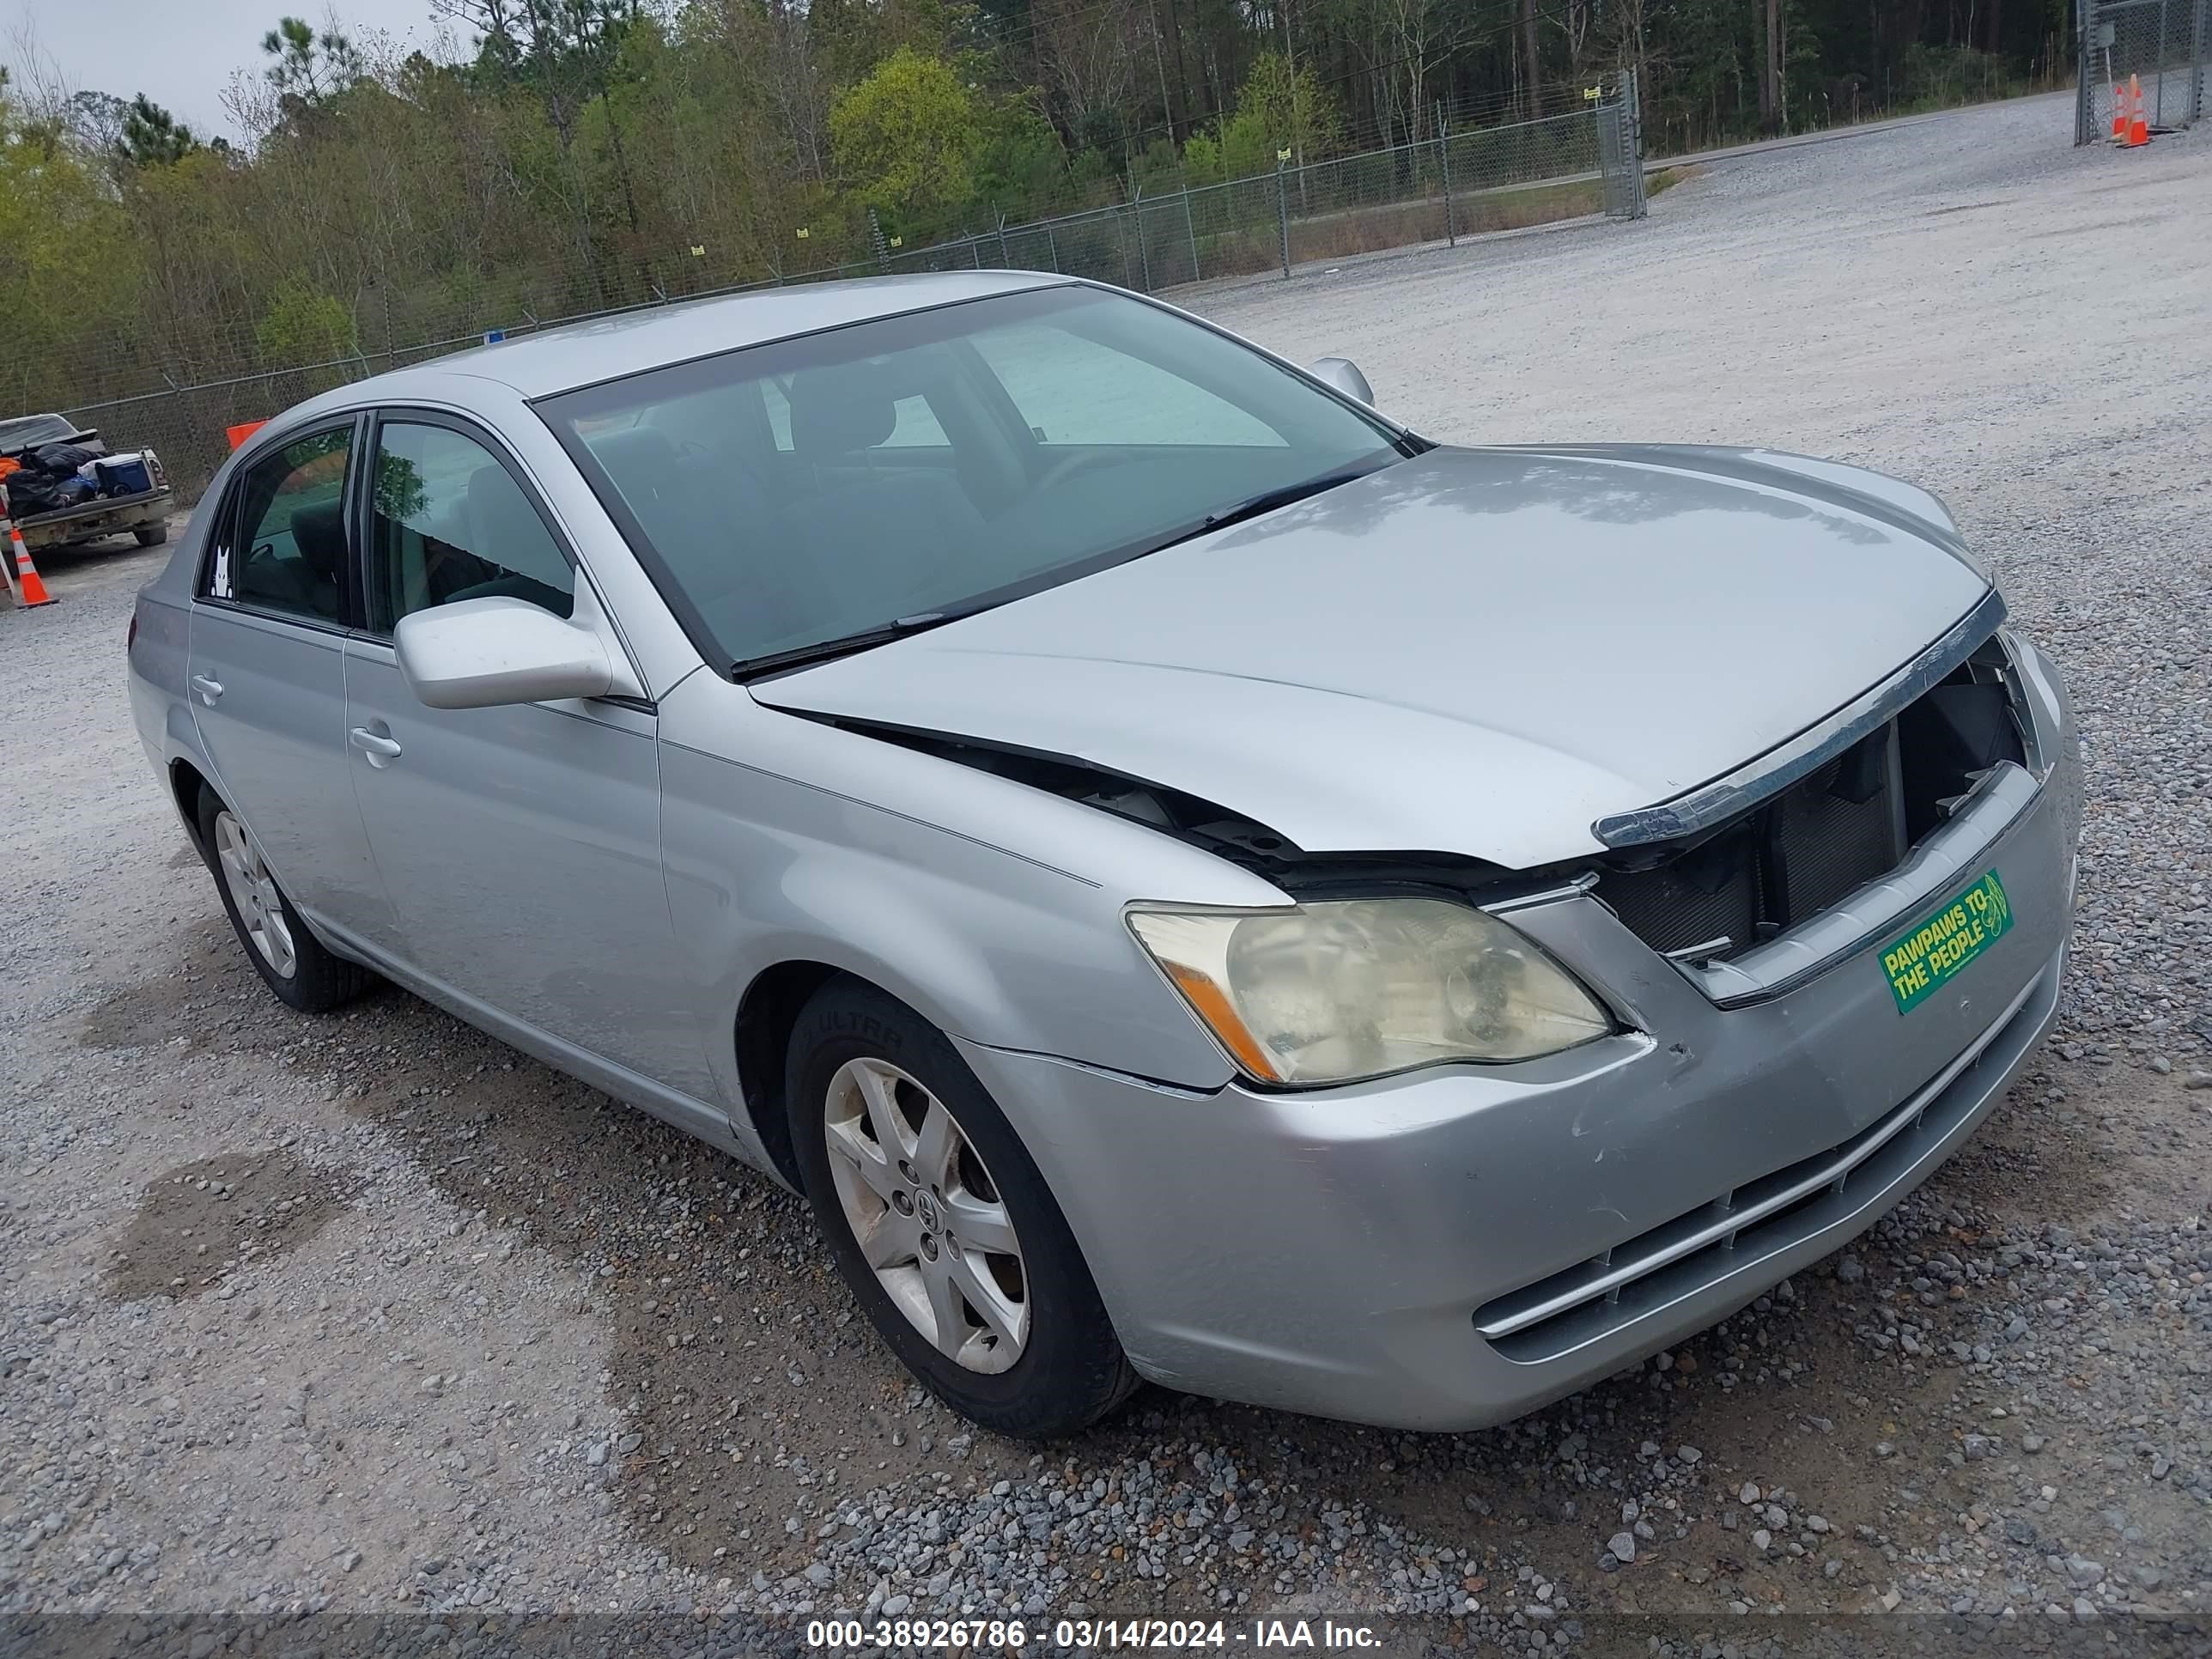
x: 1192, y: 880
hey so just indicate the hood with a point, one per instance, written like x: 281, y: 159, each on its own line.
x: 1479, y: 652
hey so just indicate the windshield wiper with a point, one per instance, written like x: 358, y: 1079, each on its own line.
x: 1266, y: 502
x: 844, y: 644
x: 1282, y: 495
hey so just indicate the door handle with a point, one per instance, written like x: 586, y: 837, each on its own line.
x: 379, y: 749
x: 209, y: 688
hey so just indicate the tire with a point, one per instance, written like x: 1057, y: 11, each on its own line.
x: 856, y: 1052
x: 290, y: 959
x: 151, y: 535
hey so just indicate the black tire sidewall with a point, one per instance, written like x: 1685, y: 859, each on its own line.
x: 319, y: 981
x: 1072, y: 1372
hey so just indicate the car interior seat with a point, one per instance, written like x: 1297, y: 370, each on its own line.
x: 874, y: 527
x: 504, y: 531
x: 319, y: 533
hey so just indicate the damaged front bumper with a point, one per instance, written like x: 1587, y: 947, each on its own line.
x: 1451, y: 1248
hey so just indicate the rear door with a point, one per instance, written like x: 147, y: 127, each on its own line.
x: 520, y: 846
x: 266, y: 671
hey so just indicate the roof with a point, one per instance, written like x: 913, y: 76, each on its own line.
x: 583, y: 353
x: 14, y: 427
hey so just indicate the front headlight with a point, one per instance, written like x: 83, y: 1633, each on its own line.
x: 1340, y: 990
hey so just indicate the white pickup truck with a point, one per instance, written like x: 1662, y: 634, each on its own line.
x: 128, y: 493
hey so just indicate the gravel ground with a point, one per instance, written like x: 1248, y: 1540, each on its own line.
x: 371, y: 1314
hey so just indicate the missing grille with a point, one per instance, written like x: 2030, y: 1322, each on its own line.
x: 1803, y: 849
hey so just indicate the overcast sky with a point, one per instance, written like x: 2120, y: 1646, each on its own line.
x: 182, y: 53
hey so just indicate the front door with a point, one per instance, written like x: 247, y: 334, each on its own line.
x: 520, y: 846
x: 266, y: 675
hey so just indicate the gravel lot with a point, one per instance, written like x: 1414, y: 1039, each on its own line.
x: 372, y: 1313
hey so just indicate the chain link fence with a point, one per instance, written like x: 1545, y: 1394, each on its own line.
x: 2167, y: 45
x: 1450, y: 185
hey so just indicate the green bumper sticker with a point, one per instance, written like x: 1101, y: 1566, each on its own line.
x: 1933, y: 953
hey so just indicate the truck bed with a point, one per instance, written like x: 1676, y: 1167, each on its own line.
x: 112, y: 515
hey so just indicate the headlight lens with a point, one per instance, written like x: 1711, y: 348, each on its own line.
x: 1337, y: 991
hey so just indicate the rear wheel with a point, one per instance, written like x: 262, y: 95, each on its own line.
x: 290, y: 960
x: 941, y: 1224
x: 151, y: 535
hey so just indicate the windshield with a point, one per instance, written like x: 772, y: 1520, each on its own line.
x: 927, y: 464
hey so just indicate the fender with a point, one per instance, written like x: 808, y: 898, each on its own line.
x: 1907, y: 506
x: 986, y: 945
x: 992, y: 908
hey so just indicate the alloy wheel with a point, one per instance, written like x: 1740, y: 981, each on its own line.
x: 253, y: 891
x: 926, y: 1215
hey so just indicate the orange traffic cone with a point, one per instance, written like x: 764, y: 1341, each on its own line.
x: 30, y: 592
x: 2138, y: 128
x: 2119, y: 123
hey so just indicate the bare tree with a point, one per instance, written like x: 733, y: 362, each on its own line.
x: 1531, y: 60
x: 1770, y: 68
x: 41, y: 93
x: 1089, y: 52
x: 1420, y: 34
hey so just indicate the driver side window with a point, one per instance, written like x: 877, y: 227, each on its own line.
x: 449, y: 522
x: 290, y: 552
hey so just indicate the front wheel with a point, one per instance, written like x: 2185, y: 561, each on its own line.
x: 940, y: 1223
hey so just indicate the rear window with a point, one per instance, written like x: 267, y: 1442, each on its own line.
x: 28, y: 431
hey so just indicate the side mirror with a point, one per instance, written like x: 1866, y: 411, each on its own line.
x: 480, y: 654
x: 1343, y: 374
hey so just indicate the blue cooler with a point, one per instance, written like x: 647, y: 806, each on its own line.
x: 122, y: 475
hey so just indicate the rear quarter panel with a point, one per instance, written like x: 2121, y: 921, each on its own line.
x: 159, y: 652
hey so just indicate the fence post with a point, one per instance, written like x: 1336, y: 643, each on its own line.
x: 2158, y: 98
x: 1190, y: 229
x: 1144, y: 253
x: 1605, y: 133
x: 1283, y: 214
x: 1052, y: 244
x: 1634, y: 117
x: 1004, y: 264
x: 1122, y: 213
x: 2194, y: 108
x: 1443, y: 162
x: 2085, y: 101
x: 2194, y: 104
x: 2204, y: 54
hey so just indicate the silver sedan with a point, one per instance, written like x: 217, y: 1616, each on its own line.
x: 1192, y: 880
